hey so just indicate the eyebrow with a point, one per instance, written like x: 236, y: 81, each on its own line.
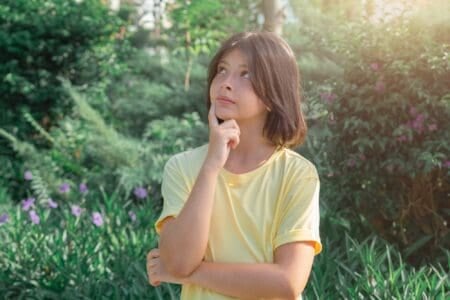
x: 226, y: 63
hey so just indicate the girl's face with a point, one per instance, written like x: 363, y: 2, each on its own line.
x: 233, y: 93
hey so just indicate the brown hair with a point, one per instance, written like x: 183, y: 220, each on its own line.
x: 276, y: 81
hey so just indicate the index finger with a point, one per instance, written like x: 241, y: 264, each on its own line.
x: 212, y: 118
x: 153, y: 253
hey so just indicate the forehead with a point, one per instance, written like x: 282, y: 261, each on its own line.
x: 234, y: 56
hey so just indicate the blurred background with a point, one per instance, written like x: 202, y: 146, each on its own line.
x: 96, y: 95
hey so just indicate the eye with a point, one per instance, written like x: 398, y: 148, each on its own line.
x: 220, y: 70
x: 245, y: 74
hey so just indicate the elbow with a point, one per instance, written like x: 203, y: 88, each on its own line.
x: 292, y: 289
x: 178, y: 267
x: 181, y: 270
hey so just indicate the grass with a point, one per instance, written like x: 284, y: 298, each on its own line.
x: 65, y: 257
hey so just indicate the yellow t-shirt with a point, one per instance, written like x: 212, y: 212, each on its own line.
x: 253, y: 213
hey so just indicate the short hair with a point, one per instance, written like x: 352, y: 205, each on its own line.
x: 276, y: 81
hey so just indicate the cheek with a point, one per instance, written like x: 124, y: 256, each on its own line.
x: 213, y: 88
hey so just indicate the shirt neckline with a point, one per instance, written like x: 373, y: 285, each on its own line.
x: 227, y: 175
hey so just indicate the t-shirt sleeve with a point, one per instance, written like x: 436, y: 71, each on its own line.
x: 174, y: 190
x: 299, y: 212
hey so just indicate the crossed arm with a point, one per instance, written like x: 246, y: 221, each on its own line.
x: 283, y: 279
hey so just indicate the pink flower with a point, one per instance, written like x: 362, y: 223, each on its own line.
x: 447, y: 164
x: 402, y: 138
x: 380, y: 87
x: 351, y: 163
x: 375, y: 66
x: 432, y: 127
x: 413, y: 111
x: 28, y: 175
x: 328, y: 97
x: 417, y: 124
x: 390, y: 168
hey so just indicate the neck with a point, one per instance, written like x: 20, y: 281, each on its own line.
x: 253, y: 150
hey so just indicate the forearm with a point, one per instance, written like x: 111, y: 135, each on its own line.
x: 189, y: 231
x: 244, y: 281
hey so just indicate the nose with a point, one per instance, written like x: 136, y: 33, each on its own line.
x: 227, y: 82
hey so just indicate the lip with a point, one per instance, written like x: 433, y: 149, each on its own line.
x: 224, y: 99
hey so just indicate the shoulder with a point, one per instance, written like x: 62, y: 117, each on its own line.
x: 191, y: 159
x: 297, y: 165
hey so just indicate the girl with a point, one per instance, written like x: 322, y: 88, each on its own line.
x: 241, y: 214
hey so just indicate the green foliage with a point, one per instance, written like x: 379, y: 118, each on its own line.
x: 371, y: 269
x: 384, y: 143
x: 69, y: 257
x: 40, y: 41
x: 193, y: 33
x: 153, y: 88
x: 83, y: 148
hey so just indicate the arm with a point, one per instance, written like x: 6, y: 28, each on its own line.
x: 190, y: 229
x: 285, y: 278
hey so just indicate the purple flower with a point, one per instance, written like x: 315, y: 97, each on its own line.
x: 417, y: 124
x: 76, y: 210
x: 132, y: 215
x: 328, y: 97
x: 432, y: 127
x: 380, y: 87
x: 447, y: 163
x: 83, y: 188
x: 34, y: 217
x: 97, y: 219
x: 375, y: 66
x: 402, y: 138
x: 64, y: 188
x: 51, y: 203
x: 140, y: 192
x: 4, y: 218
x: 28, y: 175
x: 351, y: 163
x: 27, y: 203
x: 413, y: 111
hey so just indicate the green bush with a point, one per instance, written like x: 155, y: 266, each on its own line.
x: 83, y: 148
x: 77, y: 257
x: 41, y: 41
x: 385, y: 138
x: 152, y: 89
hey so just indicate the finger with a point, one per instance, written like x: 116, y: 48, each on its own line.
x: 212, y: 118
x: 232, y: 138
x: 231, y: 123
x: 153, y: 253
x: 155, y: 283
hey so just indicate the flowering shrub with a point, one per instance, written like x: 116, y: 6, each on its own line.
x: 388, y: 135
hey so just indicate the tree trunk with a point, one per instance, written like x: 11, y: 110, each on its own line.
x: 273, y: 16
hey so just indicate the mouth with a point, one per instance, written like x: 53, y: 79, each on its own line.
x: 225, y: 100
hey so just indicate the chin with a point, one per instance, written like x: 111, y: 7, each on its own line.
x: 224, y: 116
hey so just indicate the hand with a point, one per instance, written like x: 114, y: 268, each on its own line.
x: 222, y: 138
x: 156, y: 271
